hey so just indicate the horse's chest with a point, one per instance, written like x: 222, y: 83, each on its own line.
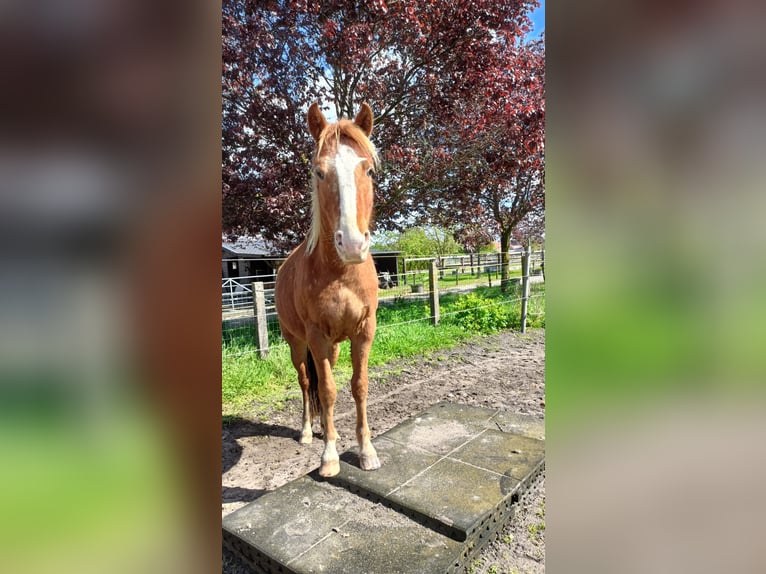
x: 338, y: 304
x: 339, y: 312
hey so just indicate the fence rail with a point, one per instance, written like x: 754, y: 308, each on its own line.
x: 248, y: 308
x: 237, y: 292
x: 460, y: 269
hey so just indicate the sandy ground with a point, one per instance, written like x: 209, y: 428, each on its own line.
x: 503, y: 371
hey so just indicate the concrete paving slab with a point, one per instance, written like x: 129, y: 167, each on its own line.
x: 510, y: 455
x: 382, y: 541
x: 288, y: 521
x: 482, y: 417
x: 478, y: 417
x: 310, y: 525
x: 515, y: 423
x: 449, y: 480
x: 399, y: 463
x: 456, y: 495
x: 442, y: 427
x: 454, y: 499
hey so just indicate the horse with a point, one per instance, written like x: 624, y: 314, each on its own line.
x: 327, y: 289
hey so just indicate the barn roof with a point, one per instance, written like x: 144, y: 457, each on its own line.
x: 245, y: 246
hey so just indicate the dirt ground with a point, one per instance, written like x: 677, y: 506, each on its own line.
x: 505, y: 371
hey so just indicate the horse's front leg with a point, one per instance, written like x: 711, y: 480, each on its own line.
x: 360, y: 353
x: 323, y: 357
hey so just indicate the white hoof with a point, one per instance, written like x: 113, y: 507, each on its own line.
x: 369, y: 462
x: 329, y: 468
x: 306, y: 438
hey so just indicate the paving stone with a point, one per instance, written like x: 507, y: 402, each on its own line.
x: 477, y: 417
x: 290, y: 520
x: 515, y: 423
x: 449, y: 480
x: 456, y: 495
x: 382, y: 541
x: 440, y: 429
x: 310, y: 525
x: 456, y: 498
x: 399, y: 463
x: 514, y: 456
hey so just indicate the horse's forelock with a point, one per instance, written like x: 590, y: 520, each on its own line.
x: 333, y: 132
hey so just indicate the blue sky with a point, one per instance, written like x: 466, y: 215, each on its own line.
x: 538, y: 21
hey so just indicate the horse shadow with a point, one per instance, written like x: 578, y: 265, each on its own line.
x: 234, y: 428
x: 237, y: 494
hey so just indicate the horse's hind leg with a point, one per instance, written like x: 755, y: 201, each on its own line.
x: 360, y: 352
x: 299, y: 356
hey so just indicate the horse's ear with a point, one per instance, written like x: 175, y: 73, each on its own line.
x: 364, y: 119
x: 317, y: 121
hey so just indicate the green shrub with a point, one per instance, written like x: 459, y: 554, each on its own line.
x: 475, y: 312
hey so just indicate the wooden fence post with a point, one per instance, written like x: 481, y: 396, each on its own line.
x: 433, y: 292
x: 261, y: 326
x: 525, y: 257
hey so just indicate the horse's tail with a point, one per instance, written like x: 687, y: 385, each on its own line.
x: 311, y: 370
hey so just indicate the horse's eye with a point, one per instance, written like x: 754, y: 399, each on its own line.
x: 370, y: 172
x: 319, y: 173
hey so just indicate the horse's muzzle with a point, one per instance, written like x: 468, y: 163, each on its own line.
x: 352, y: 247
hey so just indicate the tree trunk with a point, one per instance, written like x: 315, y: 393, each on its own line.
x: 505, y: 258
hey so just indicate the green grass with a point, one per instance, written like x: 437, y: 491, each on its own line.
x: 404, y: 330
x: 535, y: 531
x: 248, y: 379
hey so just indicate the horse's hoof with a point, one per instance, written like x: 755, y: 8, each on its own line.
x: 306, y: 438
x: 329, y: 468
x: 369, y: 462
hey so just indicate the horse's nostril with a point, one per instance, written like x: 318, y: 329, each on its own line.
x: 339, y: 238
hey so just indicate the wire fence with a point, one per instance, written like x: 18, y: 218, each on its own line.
x: 437, y: 294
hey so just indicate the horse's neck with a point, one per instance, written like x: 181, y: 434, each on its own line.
x: 326, y: 261
x: 327, y: 257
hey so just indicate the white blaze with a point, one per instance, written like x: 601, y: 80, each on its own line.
x: 346, y: 161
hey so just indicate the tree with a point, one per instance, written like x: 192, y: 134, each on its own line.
x: 268, y: 76
x: 531, y: 229
x: 419, y: 63
x: 475, y: 236
x: 427, y: 242
x: 494, y: 167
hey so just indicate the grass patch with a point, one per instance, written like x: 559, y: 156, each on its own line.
x: 404, y: 330
x: 247, y: 377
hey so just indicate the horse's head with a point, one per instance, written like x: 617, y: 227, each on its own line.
x: 343, y: 167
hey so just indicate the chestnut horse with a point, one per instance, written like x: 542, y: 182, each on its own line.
x: 327, y: 289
